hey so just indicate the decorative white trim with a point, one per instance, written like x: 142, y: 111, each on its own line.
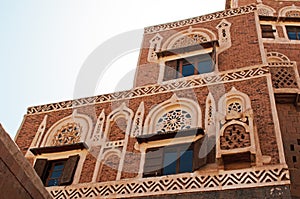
x: 98, y: 131
x: 206, y: 33
x: 275, y: 118
x: 224, y: 35
x: 180, y: 183
x: 277, y: 57
x: 282, y: 12
x: 174, y: 102
x: 264, y: 10
x: 39, y: 134
x: 196, y: 20
x: 155, y: 44
x: 210, y: 115
x: 121, y: 112
x: 137, y: 125
x: 239, y: 118
x: 84, y: 121
x: 149, y: 90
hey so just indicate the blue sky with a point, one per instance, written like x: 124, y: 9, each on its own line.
x: 44, y: 44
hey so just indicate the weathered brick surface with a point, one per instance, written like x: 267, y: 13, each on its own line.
x: 289, y: 117
x: 88, y: 168
x: 109, y: 169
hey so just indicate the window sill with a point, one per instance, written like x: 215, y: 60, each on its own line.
x: 171, y: 134
x: 54, y: 149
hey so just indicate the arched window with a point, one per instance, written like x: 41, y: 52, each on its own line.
x: 172, y: 115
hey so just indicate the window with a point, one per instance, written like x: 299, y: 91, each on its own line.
x: 175, y: 159
x: 56, y: 172
x: 191, y: 65
x: 292, y: 147
x: 267, y: 31
x: 294, y: 159
x: 293, y: 32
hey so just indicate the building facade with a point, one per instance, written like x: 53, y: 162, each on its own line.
x: 214, y: 113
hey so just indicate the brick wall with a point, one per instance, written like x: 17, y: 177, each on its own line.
x: 289, y: 117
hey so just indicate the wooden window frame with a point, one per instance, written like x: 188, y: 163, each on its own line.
x: 193, y: 60
x: 155, y: 160
x: 50, y: 169
x: 44, y: 169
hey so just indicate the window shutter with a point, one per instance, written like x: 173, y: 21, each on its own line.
x: 170, y: 70
x: 267, y: 31
x: 153, y: 162
x: 69, y: 170
x: 39, y: 167
x: 200, y: 153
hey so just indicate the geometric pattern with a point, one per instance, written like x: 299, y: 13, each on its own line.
x: 235, y: 136
x: 172, y: 184
x: 234, y: 107
x: 221, y: 77
x: 292, y: 13
x: 283, y: 77
x: 204, y: 18
x: 68, y: 134
x: 189, y: 40
x: 174, y: 120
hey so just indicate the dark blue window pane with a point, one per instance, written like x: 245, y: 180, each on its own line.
x: 298, y: 36
x: 186, y: 161
x: 169, y: 163
x: 53, y: 182
x: 292, y: 35
x: 205, y: 66
x: 58, y: 167
x: 56, y: 174
x: 188, y: 70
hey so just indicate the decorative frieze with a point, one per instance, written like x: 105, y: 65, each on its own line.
x: 184, y: 83
x: 201, y: 19
x: 172, y: 184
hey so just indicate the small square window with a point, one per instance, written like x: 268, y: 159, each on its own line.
x: 298, y: 141
x: 293, y: 32
x: 292, y: 147
x: 294, y: 159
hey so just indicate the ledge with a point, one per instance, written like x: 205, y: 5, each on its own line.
x: 176, y: 51
x: 174, y: 85
x: 268, y: 175
x: 170, y: 134
x: 55, y: 149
